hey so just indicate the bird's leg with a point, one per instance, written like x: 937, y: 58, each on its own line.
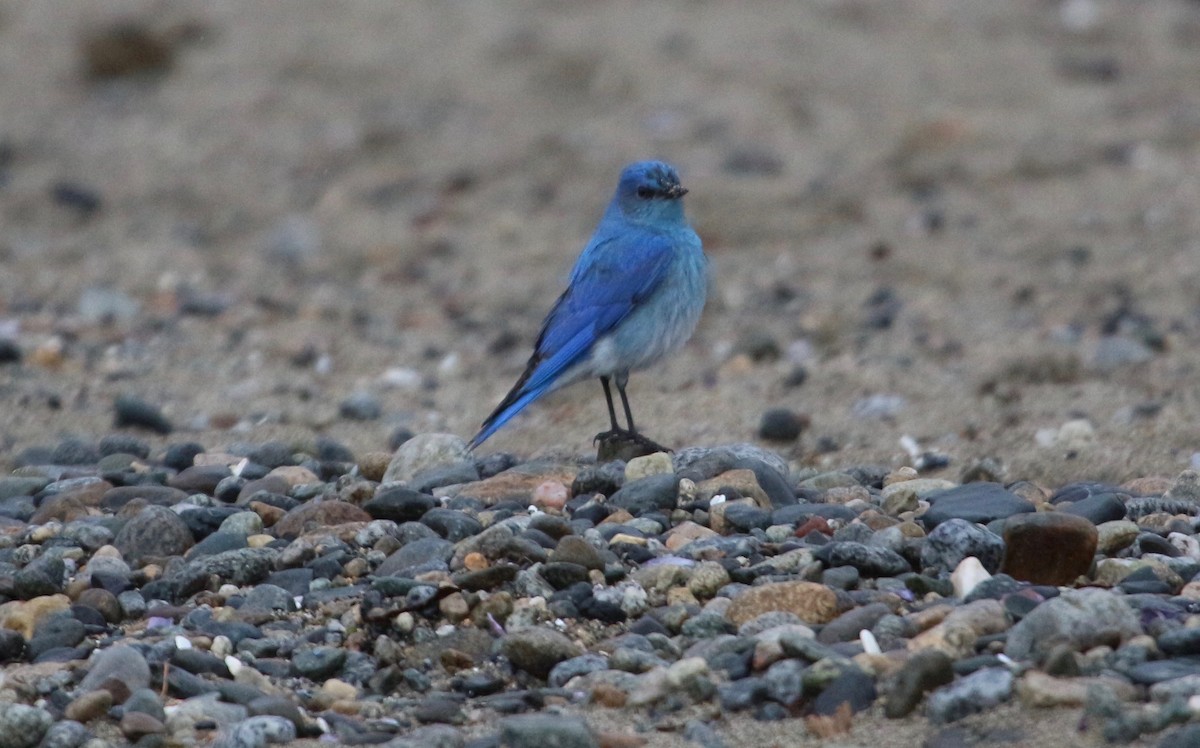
x: 622, y: 380
x: 615, y: 431
x: 612, y: 412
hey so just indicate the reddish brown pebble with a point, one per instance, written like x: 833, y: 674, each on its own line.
x: 475, y: 561
x: 609, y: 696
x: 814, y: 524
x: 1048, y: 547
x: 550, y: 496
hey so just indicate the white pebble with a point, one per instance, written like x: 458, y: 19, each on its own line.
x: 967, y: 576
x: 869, y: 643
x: 239, y: 467
x: 182, y: 642
x: 234, y: 664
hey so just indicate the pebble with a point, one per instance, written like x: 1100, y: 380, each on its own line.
x: 1081, y: 619
x: 537, y: 650
x: 1048, y: 547
x: 543, y: 730
x: 975, y: 693
x: 975, y: 502
x: 956, y: 539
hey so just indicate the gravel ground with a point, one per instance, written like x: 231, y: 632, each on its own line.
x: 939, y: 232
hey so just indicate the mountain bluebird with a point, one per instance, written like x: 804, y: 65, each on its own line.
x: 634, y: 296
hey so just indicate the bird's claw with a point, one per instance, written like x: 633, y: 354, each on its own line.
x: 621, y: 444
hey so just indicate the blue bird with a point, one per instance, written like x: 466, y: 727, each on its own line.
x: 634, y: 296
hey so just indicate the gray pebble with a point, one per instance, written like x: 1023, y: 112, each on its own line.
x: 23, y: 726
x: 975, y: 693
x: 546, y: 731
x: 258, y: 732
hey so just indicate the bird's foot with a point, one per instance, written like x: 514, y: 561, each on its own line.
x: 621, y: 444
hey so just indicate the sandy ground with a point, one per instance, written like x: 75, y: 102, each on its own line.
x: 386, y: 197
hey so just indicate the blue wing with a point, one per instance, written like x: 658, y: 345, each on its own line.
x: 612, y: 277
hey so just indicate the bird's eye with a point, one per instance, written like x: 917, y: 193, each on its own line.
x: 645, y: 192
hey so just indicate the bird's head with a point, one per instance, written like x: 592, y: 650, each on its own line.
x: 650, y: 191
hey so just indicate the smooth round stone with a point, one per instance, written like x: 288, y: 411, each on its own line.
x: 199, y: 478
x: 120, y: 663
x: 155, y: 532
x: 137, y: 725
x: 133, y: 605
x: 852, y: 687
x: 797, y: 514
x: 577, y: 550
x: 538, y: 650
x: 811, y: 602
x: 543, y: 730
x: 429, y: 481
x: 871, y: 561
x: 57, y: 631
x: 1083, y: 490
x: 118, y: 496
x: 845, y: 627
x: 746, y: 517
x: 146, y: 700
x: 921, y: 673
x: 1184, y: 737
x: 72, y: 451
x: 258, y: 732
x: 977, y: 692
x: 1180, y: 641
x: 399, y: 504
x: 318, y: 663
x: 974, y: 502
x: 42, y: 576
x: 13, y: 486
x: 1105, y: 507
x: 89, y: 706
x: 742, y: 694
x: 102, y: 601
x: 317, y: 515
x: 361, y: 406
x: 267, y: 597
x: 564, y: 671
x: 561, y: 574
x: 1158, y: 671
x: 426, y: 554
x: 425, y: 452
x: 1115, y: 535
x: 133, y: 411
x: 955, y: 539
x: 242, y: 523
x: 241, y: 567
x: 23, y: 726
x: 485, y: 579
x: 12, y: 645
x: 781, y: 425
x: 707, y: 578
x: 841, y: 577
x: 706, y: 625
x: 65, y: 733
x: 1081, y: 619
x: 217, y: 542
x: 450, y: 524
x: 1048, y: 547
x: 650, y: 494
x: 784, y: 681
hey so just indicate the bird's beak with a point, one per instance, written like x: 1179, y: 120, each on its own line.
x: 675, y: 191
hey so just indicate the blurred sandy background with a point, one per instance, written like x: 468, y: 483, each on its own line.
x: 967, y: 222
